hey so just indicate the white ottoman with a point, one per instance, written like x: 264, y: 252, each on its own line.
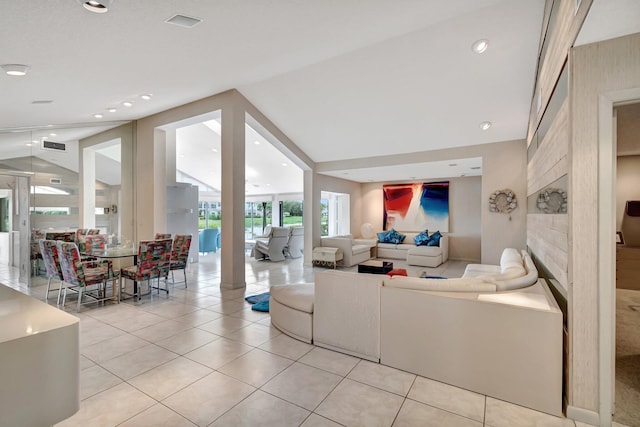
x: 291, y: 310
x: 425, y: 256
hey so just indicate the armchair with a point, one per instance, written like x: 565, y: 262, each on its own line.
x: 274, y: 247
x: 354, y: 251
x: 208, y: 240
x: 296, y: 242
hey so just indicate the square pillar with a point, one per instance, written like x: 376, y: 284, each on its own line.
x: 232, y: 254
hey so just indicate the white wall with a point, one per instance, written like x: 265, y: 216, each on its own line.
x: 465, y: 206
x: 504, y: 165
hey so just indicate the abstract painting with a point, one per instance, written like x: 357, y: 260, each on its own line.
x: 416, y: 207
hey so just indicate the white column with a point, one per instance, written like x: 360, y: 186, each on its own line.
x: 88, y: 194
x: 311, y: 215
x: 233, y: 158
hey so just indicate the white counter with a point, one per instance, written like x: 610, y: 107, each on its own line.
x: 39, y: 361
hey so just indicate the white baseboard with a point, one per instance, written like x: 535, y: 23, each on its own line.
x: 583, y: 415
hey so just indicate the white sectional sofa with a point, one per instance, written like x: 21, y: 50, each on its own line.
x: 493, y: 332
x: 426, y: 256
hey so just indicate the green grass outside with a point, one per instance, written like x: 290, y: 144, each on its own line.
x: 257, y: 222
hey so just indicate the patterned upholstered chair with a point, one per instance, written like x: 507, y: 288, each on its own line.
x: 154, y: 258
x: 180, y: 255
x: 80, y: 276
x: 49, y: 251
x: 160, y: 236
x: 95, y: 242
x: 64, y: 236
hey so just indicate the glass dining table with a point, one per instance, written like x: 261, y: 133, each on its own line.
x: 117, y: 252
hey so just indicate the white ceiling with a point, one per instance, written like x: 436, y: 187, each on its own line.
x: 342, y: 79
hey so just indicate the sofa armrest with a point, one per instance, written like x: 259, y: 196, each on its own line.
x: 444, y: 245
x: 343, y: 243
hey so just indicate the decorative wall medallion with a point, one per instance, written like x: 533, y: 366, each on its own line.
x: 552, y: 200
x: 503, y: 201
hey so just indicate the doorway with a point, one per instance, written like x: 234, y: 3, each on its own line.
x: 627, y: 283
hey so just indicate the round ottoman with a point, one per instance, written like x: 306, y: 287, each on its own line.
x: 291, y: 310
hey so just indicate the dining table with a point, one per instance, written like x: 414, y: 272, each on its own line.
x: 116, y: 252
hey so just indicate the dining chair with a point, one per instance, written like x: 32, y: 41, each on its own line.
x: 49, y: 251
x: 160, y: 236
x: 80, y: 276
x: 154, y: 258
x: 180, y: 255
x: 95, y: 242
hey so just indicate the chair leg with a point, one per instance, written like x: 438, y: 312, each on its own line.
x: 46, y: 295
x: 185, y: 277
x: 59, y: 292
x: 79, y: 296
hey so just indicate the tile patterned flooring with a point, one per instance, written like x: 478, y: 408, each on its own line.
x: 200, y: 356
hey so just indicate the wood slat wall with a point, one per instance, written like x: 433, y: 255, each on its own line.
x: 547, y: 237
x: 550, y: 160
x: 560, y: 39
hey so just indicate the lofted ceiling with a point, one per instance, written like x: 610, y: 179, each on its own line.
x: 343, y: 79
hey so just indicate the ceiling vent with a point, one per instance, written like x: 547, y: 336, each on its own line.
x: 183, y: 21
x: 55, y: 146
x: 55, y: 181
x: 42, y: 101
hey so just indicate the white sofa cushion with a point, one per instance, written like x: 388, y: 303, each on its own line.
x: 425, y: 250
x: 474, y: 284
x: 358, y: 249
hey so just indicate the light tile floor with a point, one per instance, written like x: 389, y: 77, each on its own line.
x: 200, y: 356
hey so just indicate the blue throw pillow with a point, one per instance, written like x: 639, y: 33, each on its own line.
x: 422, y: 238
x: 383, y: 236
x: 396, y: 237
x: 434, y: 240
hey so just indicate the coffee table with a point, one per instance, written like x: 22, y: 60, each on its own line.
x: 375, y: 267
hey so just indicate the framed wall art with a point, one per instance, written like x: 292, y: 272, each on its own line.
x: 416, y: 206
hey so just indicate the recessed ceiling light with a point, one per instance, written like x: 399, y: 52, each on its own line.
x: 96, y: 6
x: 268, y: 185
x: 14, y: 69
x: 53, y: 134
x: 256, y: 142
x: 485, y: 125
x: 181, y: 155
x: 480, y: 46
x: 28, y: 144
x: 35, y: 141
x: 111, y: 110
x: 127, y: 103
x: 146, y: 97
x: 215, y: 150
x: 97, y: 116
x: 284, y: 164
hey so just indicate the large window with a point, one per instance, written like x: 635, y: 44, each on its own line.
x: 209, y: 215
x: 335, y: 215
x: 257, y: 215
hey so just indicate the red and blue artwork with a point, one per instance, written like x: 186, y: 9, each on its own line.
x: 416, y: 207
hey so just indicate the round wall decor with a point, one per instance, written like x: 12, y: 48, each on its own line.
x: 552, y: 200
x: 503, y: 201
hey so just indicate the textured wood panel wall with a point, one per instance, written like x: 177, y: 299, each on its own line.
x: 547, y: 236
x: 550, y: 159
